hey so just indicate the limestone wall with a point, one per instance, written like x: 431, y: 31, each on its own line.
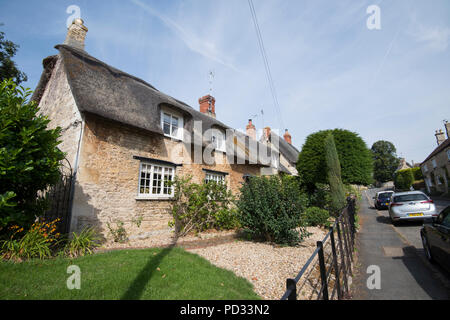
x: 59, y: 105
x: 108, y: 176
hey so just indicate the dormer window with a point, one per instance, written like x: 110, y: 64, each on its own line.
x: 218, y: 140
x: 172, y: 124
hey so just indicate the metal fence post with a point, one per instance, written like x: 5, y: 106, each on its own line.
x: 351, y: 211
x: 341, y: 250
x: 348, y: 249
x: 335, y: 264
x: 323, y: 273
x: 291, y: 285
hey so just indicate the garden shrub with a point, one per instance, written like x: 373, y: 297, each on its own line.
x: 314, y: 216
x: 403, y: 179
x: 82, y: 244
x: 199, y: 207
x: 417, y: 173
x: 270, y: 208
x: 118, y: 232
x: 321, y: 197
x: 29, y: 157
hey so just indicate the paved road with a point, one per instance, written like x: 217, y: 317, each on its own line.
x: 409, y: 230
x: 398, y: 252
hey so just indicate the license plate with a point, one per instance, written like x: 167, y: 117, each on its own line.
x: 416, y: 214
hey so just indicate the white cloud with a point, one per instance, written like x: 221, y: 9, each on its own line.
x: 195, y: 43
x: 436, y: 38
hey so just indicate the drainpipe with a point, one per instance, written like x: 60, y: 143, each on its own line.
x: 74, y: 176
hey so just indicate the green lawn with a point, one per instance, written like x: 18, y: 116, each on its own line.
x: 125, y: 274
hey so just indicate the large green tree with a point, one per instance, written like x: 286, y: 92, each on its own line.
x: 385, y: 160
x: 29, y: 156
x: 354, y: 157
x: 8, y: 68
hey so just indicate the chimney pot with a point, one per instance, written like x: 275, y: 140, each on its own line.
x: 76, y: 34
x: 266, y: 133
x: 251, y: 129
x: 440, y: 137
x: 287, y: 136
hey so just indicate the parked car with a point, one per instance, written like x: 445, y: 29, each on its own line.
x: 436, y: 239
x: 382, y: 199
x: 411, y: 205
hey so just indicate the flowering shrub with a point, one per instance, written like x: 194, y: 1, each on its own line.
x: 38, y: 241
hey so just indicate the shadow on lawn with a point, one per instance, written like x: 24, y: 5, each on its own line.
x: 136, y: 289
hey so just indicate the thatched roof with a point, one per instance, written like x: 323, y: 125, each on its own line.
x: 107, y: 92
x: 285, y: 148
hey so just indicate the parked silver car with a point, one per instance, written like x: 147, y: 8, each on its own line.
x: 411, y: 205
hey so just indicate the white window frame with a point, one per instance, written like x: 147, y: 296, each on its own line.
x: 217, y: 177
x: 172, y: 115
x: 164, y: 170
x: 425, y: 168
x: 434, y: 163
x: 218, y: 140
x: 438, y: 180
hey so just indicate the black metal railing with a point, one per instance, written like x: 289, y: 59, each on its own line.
x: 325, y: 276
x: 59, y: 196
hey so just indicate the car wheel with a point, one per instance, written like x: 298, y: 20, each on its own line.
x: 426, y: 247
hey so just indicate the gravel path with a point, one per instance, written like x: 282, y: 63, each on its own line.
x: 266, y: 266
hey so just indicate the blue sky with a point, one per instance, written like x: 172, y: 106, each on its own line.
x: 329, y: 69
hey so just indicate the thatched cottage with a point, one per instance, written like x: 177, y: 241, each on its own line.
x: 125, y: 140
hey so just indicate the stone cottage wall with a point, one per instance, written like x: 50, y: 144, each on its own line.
x: 108, y: 176
x: 59, y: 105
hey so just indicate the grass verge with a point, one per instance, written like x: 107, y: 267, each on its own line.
x: 153, y: 274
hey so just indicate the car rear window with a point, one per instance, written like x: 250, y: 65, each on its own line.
x: 384, y: 195
x: 410, y: 197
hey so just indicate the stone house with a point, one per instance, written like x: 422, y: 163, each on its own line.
x: 285, y: 155
x: 126, y: 141
x: 436, y: 166
x: 404, y: 165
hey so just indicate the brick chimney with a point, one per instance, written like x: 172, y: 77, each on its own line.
x: 76, y: 34
x: 440, y: 137
x: 208, y: 105
x: 287, y: 137
x: 251, y: 129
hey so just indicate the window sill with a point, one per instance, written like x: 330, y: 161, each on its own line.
x: 154, y: 198
x: 174, y: 138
